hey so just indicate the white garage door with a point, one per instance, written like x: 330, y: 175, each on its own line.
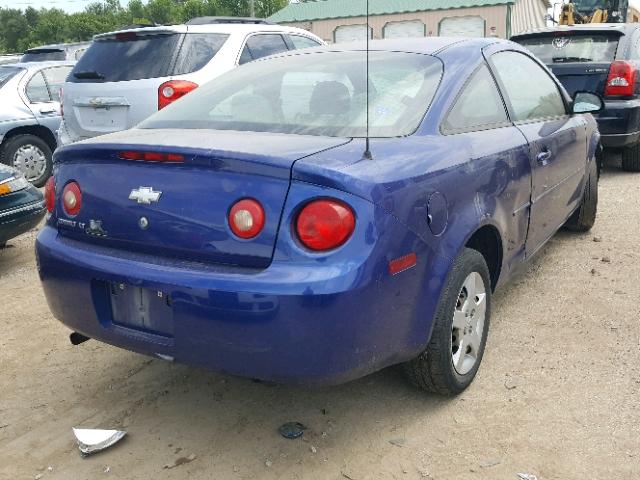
x: 350, y: 33
x: 411, y: 28
x: 462, y: 27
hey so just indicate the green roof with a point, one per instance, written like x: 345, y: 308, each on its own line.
x: 324, y: 9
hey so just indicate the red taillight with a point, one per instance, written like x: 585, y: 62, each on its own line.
x: 72, y: 198
x: 325, y: 224
x: 61, y: 96
x: 50, y: 194
x: 172, y: 90
x: 621, y: 81
x: 151, y: 156
x: 246, y: 218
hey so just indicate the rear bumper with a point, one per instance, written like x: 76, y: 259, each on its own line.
x: 302, y: 323
x: 18, y: 220
x: 619, y: 123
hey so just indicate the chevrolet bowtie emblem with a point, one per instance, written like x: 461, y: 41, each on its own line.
x: 144, y: 195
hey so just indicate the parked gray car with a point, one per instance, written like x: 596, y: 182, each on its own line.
x: 10, y: 58
x: 30, y: 116
x: 56, y: 52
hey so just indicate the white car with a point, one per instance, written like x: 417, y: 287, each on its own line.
x: 127, y: 75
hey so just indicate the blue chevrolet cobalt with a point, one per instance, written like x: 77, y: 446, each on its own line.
x: 251, y: 227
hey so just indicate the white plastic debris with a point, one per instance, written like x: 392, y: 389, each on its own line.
x: 526, y: 476
x: 91, y: 440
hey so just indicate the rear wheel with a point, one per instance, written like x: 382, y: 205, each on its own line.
x: 631, y: 158
x: 29, y: 154
x: 584, y: 217
x: 451, y: 360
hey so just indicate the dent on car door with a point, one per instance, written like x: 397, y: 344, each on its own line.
x: 557, y: 142
x: 494, y: 183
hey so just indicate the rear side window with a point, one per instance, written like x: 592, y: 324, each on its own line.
x: 263, y: 45
x: 478, y: 107
x: 55, y: 77
x: 197, y: 50
x: 127, y: 57
x: 299, y: 42
x: 528, y: 87
x: 43, y: 55
x: 572, y: 48
x: 37, y: 89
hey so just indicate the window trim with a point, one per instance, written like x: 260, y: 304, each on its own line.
x: 476, y: 128
x: 507, y: 100
x: 254, y: 34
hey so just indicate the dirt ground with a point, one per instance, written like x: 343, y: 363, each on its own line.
x: 557, y: 395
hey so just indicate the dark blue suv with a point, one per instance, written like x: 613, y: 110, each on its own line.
x: 601, y: 58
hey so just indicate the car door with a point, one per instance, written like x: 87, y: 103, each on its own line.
x: 500, y: 153
x: 43, y: 92
x: 557, y: 141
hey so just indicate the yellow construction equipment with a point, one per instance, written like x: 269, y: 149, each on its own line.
x: 593, y: 11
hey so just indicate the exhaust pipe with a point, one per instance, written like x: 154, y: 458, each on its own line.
x: 77, y: 338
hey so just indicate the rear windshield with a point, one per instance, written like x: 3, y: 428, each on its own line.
x: 313, y: 94
x: 572, y: 48
x: 6, y: 74
x: 43, y: 55
x: 131, y: 56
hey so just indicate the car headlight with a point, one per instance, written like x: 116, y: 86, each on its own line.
x: 13, y: 184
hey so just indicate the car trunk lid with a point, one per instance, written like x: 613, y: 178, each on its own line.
x: 99, y: 108
x: 576, y: 77
x: 188, y: 219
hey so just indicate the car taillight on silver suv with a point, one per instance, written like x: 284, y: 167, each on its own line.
x: 172, y: 90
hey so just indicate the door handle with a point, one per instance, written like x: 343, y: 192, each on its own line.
x: 544, y: 157
x: 47, y: 110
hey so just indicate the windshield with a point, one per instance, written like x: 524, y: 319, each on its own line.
x: 572, y: 48
x: 6, y: 74
x: 313, y: 94
x: 43, y: 55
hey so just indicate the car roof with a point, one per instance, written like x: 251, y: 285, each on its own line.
x: 423, y: 45
x: 621, y: 28
x: 58, y: 46
x: 228, y: 28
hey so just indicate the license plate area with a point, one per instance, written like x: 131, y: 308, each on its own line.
x: 141, y: 309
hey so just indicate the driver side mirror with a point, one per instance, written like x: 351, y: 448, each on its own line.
x: 587, y: 102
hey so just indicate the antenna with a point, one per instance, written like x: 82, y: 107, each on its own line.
x: 367, y: 152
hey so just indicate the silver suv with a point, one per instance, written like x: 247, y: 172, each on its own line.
x: 127, y: 75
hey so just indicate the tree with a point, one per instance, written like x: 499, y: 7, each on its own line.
x: 20, y: 30
x: 14, y: 27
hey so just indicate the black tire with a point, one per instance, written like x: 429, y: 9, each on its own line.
x: 11, y: 146
x: 433, y: 369
x: 631, y: 158
x: 584, y: 217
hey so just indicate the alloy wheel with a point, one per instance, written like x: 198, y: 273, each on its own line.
x: 468, y: 323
